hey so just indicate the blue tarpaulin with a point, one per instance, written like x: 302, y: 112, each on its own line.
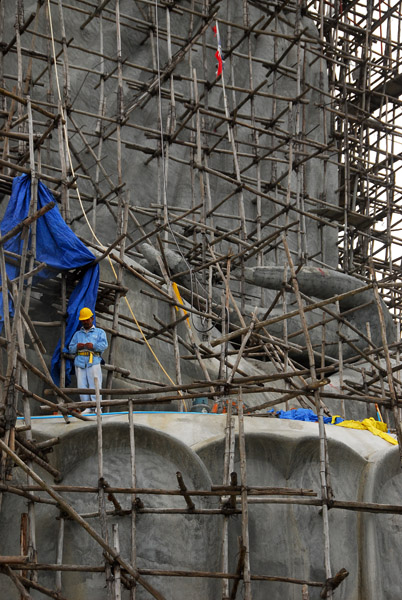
x: 59, y: 248
x: 302, y: 414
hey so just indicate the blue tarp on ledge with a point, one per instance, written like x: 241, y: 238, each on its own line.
x: 59, y: 248
x: 302, y: 414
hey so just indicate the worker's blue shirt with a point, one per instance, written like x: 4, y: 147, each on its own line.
x: 95, y: 336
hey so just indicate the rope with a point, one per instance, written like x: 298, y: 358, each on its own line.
x: 65, y: 132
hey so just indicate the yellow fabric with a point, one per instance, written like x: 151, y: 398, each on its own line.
x: 375, y: 427
x: 179, y: 298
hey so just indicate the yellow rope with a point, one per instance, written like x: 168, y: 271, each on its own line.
x: 64, y: 123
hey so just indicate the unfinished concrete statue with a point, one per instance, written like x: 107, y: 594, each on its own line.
x: 234, y: 216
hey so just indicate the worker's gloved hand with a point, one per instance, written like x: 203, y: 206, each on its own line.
x: 89, y: 346
x: 80, y: 346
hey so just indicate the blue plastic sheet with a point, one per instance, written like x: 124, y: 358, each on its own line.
x: 84, y: 294
x: 59, y: 248
x: 302, y: 414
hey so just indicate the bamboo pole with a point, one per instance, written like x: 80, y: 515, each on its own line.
x: 116, y: 570
x: 133, y: 549
x: 101, y: 489
x: 123, y: 220
x: 324, y: 469
x: 4, y: 293
x: 17, y: 582
x: 393, y: 395
x: 244, y: 501
x: 310, y: 307
x: 76, y: 517
x: 192, y: 574
x: 23, y: 543
x: 59, y: 556
x: 26, y: 222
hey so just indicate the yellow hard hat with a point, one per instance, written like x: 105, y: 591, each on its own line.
x: 85, y: 313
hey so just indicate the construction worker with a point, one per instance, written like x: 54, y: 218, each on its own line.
x: 87, y: 344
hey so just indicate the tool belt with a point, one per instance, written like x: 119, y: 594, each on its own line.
x: 90, y: 354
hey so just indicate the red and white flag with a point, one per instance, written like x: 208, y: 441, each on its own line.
x: 218, y: 53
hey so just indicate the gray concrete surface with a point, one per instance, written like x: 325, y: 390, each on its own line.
x: 285, y: 540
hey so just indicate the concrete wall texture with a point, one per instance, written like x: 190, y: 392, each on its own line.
x: 286, y: 540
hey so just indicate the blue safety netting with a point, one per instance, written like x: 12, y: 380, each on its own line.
x: 59, y: 248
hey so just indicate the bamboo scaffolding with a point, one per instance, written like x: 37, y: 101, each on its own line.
x: 267, y: 157
x: 323, y: 453
x: 133, y: 549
